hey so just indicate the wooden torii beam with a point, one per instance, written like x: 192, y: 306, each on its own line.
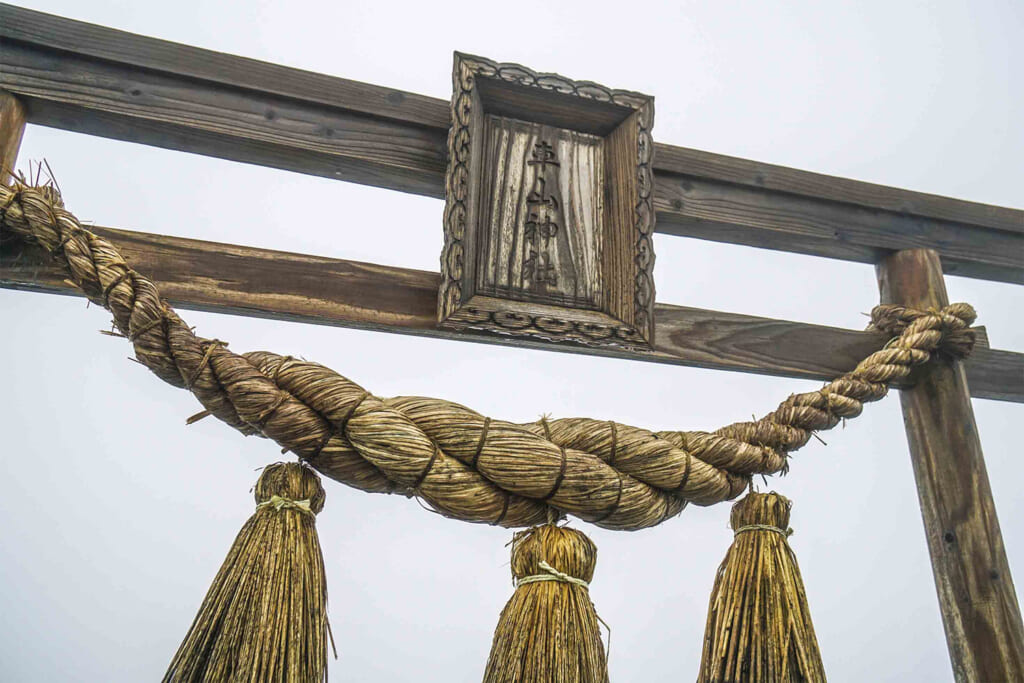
x: 72, y: 75
x: 225, y: 278
x: 91, y: 79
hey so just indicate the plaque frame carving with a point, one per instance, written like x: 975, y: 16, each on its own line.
x: 623, y: 120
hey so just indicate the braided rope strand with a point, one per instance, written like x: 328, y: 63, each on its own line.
x: 465, y: 465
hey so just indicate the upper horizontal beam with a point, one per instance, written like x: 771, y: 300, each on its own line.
x: 270, y: 284
x: 97, y: 80
x: 111, y: 45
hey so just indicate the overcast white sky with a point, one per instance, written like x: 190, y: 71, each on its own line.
x: 116, y: 516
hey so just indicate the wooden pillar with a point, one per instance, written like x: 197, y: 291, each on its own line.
x: 12, y: 126
x: 979, y: 606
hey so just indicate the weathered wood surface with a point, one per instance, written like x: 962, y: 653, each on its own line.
x: 121, y: 47
x: 111, y: 45
x: 539, y: 229
x: 12, y: 127
x: 791, y: 181
x: 223, y: 278
x: 123, y: 102
x: 697, y: 207
x: 88, y: 78
x: 979, y: 606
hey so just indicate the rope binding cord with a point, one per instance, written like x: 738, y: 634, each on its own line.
x: 551, y: 574
x: 281, y: 503
x: 763, y: 527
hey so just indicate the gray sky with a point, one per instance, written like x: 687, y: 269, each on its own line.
x: 116, y: 516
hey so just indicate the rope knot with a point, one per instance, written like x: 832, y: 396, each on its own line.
x: 952, y: 322
x: 281, y: 503
x: 290, y: 486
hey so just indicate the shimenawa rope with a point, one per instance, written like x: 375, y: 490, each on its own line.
x: 463, y: 464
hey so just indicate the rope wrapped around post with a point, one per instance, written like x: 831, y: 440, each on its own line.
x: 465, y: 465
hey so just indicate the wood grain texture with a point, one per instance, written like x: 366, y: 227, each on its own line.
x: 773, y: 178
x: 709, y: 209
x: 87, y: 78
x: 164, y: 110
x: 979, y: 605
x: 540, y: 225
x: 224, y: 278
x: 12, y: 127
x: 90, y: 40
x: 130, y: 49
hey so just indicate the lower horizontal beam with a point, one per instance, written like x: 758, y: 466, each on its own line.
x: 223, y: 278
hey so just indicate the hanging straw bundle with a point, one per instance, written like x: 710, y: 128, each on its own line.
x: 265, y: 616
x: 548, y: 631
x: 759, y: 627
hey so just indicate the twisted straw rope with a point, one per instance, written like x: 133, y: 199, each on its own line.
x: 465, y: 465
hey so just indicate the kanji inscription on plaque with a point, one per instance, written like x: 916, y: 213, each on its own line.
x: 542, y: 219
x: 548, y: 216
x: 538, y: 229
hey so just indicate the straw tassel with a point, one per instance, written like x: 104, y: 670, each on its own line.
x: 759, y: 627
x: 548, y: 631
x: 265, y: 616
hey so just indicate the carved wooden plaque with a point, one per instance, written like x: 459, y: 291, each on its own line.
x: 549, y: 216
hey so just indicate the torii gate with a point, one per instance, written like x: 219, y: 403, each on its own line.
x: 310, y: 123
